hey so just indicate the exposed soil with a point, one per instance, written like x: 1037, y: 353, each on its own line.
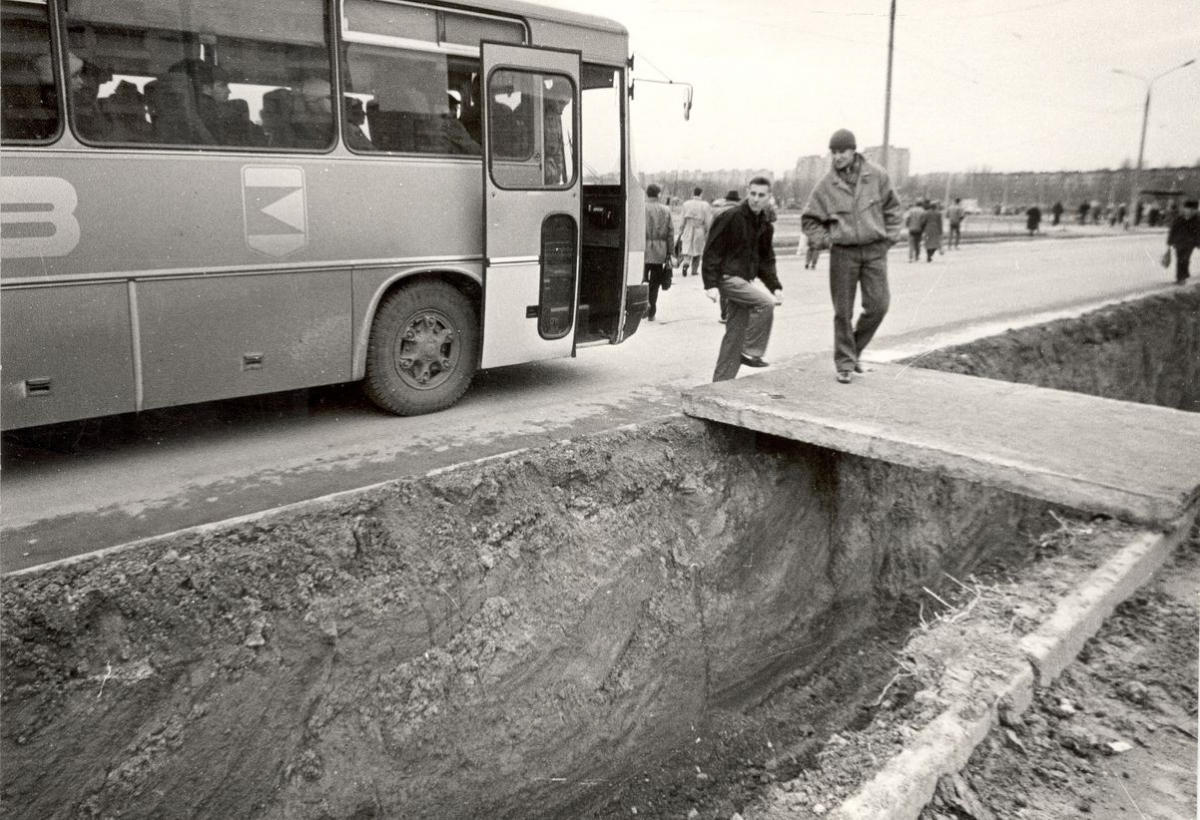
x: 1135, y: 683
x: 1145, y: 351
x: 1115, y: 736
x: 512, y: 639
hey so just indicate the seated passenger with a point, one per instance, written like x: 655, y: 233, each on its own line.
x: 30, y: 101
x: 194, y: 107
x: 312, y: 115
x: 126, y: 111
x: 84, y: 80
x: 356, y: 138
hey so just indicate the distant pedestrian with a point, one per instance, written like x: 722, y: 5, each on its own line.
x: 914, y: 220
x: 955, y: 215
x: 740, y: 250
x: 1083, y: 212
x: 1097, y: 213
x: 1183, y: 237
x: 932, y: 235
x: 1033, y: 218
x: 858, y: 246
x: 1056, y: 211
x: 660, y: 237
x: 696, y: 219
x: 812, y: 255
x: 1122, y: 211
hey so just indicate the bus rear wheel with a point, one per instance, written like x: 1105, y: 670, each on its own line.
x: 423, y: 350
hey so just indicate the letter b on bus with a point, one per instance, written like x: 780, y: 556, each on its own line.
x: 275, y: 210
x: 37, y: 217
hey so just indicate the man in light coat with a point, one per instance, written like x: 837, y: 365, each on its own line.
x: 854, y: 212
x: 697, y: 218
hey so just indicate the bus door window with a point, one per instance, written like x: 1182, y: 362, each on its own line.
x: 531, y: 129
x: 180, y: 73
x: 29, y: 102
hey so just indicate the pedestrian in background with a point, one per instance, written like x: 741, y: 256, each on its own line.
x: 1183, y: 237
x: 955, y: 215
x: 932, y: 235
x: 695, y: 220
x: 739, y: 251
x: 1033, y: 219
x: 812, y: 255
x: 914, y: 220
x: 1056, y: 211
x: 660, y: 238
x: 858, y: 246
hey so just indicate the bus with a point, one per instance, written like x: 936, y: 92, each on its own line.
x: 207, y: 200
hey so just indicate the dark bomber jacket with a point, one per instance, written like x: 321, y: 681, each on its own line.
x: 739, y: 244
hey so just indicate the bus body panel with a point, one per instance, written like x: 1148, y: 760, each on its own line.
x: 68, y: 353
x: 250, y: 334
x: 213, y: 213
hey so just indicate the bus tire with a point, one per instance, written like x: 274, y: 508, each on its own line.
x: 423, y: 350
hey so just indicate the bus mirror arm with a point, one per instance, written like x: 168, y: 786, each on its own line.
x: 687, y: 100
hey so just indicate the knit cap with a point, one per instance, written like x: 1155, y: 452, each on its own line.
x: 842, y: 140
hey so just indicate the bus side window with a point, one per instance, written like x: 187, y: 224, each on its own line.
x: 29, y: 101
x: 410, y: 108
x: 204, y: 75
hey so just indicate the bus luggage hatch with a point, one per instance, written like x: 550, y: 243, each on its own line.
x: 531, y: 203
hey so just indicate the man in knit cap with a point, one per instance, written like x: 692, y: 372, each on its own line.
x: 854, y: 212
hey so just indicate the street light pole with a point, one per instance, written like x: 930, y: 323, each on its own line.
x: 887, y: 99
x: 1137, y: 172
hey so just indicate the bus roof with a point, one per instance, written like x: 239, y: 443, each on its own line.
x: 533, y: 11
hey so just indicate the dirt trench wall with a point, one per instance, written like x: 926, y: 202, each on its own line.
x: 493, y: 638
x: 1145, y: 351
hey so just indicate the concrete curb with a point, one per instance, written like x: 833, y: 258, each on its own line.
x: 908, y: 780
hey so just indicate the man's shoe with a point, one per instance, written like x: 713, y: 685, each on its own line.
x: 753, y: 361
x: 858, y: 368
x: 843, y: 376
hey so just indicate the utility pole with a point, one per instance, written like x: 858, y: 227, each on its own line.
x: 887, y: 97
x: 1137, y: 171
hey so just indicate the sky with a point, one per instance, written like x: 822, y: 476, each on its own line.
x: 1004, y: 85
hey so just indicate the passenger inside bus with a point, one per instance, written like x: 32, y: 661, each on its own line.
x: 300, y: 118
x: 30, y: 109
x: 356, y: 116
x: 192, y: 106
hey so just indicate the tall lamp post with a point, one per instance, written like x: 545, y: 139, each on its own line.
x: 1137, y: 172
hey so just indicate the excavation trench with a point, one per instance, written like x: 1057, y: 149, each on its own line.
x: 556, y: 633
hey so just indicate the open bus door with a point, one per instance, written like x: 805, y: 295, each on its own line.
x: 531, y: 202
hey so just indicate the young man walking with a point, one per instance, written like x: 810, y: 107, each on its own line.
x: 739, y: 251
x: 660, y: 240
x: 854, y: 212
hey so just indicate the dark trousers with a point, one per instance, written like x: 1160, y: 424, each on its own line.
x: 955, y: 234
x: 750, y: 313
x: 914, y: 246
x: 657, y: 274
x: 852, y: 266
x: 1183, y: 258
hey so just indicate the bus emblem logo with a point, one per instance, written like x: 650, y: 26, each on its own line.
x: 276, y: 214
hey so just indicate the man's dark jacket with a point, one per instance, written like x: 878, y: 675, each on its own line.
x: 739, y: 244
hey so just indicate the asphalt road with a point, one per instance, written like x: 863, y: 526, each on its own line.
x: 74, y: 488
